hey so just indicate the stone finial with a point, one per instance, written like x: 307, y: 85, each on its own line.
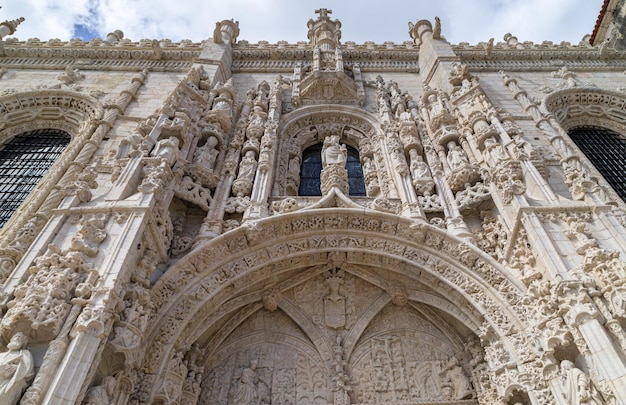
x: 115, y: 36
x: 324, y: 32
x: 8, y: 27
x: 419, y: 30
x: 226, y: 32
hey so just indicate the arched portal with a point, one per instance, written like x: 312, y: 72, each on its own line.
x: 316, y: 302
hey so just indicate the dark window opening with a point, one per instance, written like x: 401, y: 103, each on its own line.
x: 355, y: 173
x: 606, y: 149
x: 310, y: 171
x: 23, y: 162
x: 312, y: 167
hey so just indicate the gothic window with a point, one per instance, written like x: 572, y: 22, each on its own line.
x: 606, y: 149
x: 310, y: 171
x: 312, y: 167
x: 355, y: 173
x: 23, y: 162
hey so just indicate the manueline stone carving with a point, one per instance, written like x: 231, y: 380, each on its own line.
x: 17, y: 368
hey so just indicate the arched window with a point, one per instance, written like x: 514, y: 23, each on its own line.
x: 23, y: 162
x: 310, y: 171
x: 606, y: 149
x: 312, y: 167
x: 355, y: 173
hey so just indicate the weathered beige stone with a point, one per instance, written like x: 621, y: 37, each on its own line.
x: 168, y: 256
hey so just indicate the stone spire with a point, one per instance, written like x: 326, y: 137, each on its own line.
x: 324, y: 35
x: 8, y: 27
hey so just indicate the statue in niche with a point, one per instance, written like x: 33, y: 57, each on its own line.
x: 456, y: 156
x: 454, y: 382
x: 579, y: 389
x: 398, y: 105
x: 293, y: 175
x: 435, y: 105
x: 334, y: 153
x: 16, y: 369
x: 422, y: 179
x: 167, y: 150
x: 206, y: 154
x: 249, y: 388
x: 247, y: 167
x: 523, y: 148
x: 494, y: 152
x: 101, y: 394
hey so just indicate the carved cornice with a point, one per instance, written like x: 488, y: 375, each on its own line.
x: 545, y: 56
x: 283, y: 57
x: 98, y: 54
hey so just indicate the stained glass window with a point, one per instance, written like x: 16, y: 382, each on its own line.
x: 310, y: 171
x: 606, y: 149
x: 24, y: 160
x: 312, y: 167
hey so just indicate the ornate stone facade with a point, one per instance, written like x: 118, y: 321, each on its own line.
x: 170, y: 256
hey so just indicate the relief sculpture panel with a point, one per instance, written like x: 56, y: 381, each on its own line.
x: 408, y: 354
x: 402, y: 358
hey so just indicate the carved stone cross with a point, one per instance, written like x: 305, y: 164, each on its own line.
x: 323, y: 12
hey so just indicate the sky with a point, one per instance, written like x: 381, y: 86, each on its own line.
x: 470, y: 21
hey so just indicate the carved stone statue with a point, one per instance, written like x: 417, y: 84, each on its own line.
x: 250, y: 389
x: 579, y: 389
x: 420, y: 173
x: 247, y: 169
x: 248, y: 165
x: 494, y: 152
x: 456, y: 156
x: 167, y: 150
x: 101, y: 394
x: 16, y: 369
x: 454, y: 377
x: 207, y: 154
x: 334, y: 153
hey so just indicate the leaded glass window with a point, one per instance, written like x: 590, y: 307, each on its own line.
x: 24, y: 160
x: 355, y: 173
x: 310, y: 171
x: 606, y: 149
x: 312, y: 167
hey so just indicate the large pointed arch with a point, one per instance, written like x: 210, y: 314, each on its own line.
x: 234, y: 272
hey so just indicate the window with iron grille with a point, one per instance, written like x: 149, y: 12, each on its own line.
x: 24, y: 160
x: 606, y: 149
x: 311, y: 169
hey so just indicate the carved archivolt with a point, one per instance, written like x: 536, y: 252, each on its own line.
x: 77, y: 114
x: 581, y: 106
x: 339, y: 115
x: 58, y: 109
x: 293, y: 246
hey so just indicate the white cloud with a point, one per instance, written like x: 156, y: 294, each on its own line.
x: 275, y: 20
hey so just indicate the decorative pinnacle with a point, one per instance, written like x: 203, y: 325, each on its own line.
x: 12, y: 25
x: 323, y: 12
